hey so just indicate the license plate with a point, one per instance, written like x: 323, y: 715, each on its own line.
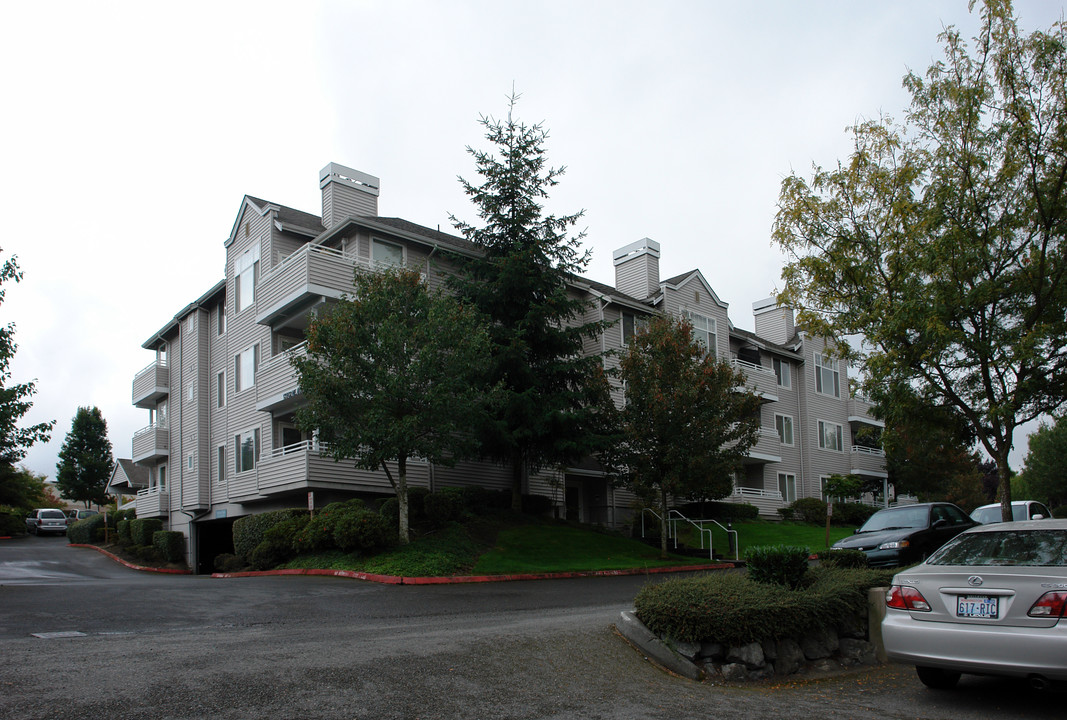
x: 976, y: 606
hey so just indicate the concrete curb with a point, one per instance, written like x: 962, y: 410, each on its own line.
x: 655, y: 649
x: 142, y: 568
x: 458, y: 579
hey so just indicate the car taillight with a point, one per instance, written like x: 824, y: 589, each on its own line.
x: 1049, y: 605
x: 903, y: 597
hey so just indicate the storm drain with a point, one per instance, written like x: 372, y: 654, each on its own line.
x: 62, y: 634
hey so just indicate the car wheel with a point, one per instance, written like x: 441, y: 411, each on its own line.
x: 937, y: 679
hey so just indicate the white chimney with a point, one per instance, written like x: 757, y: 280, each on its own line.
x: 346, y: 192
x: 773, y: 322
x: 637, y: 268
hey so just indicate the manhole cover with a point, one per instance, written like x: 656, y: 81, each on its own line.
x: 63, y: 634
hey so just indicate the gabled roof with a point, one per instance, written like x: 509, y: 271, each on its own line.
x: 128, y: 477
x: 205, y: 299
x: 679, y: 280
x: 763, y: 343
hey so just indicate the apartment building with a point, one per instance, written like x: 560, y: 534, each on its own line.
x: 220, y: 393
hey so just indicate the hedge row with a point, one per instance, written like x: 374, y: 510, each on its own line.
x: 813, y: 510
x: 718, y: 510
x: 735, y: 609
x: 248, y: 531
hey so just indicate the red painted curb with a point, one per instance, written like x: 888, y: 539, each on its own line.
x: 116, y: 558
x: 458, y: 579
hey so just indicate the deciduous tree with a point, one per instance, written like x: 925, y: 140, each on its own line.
x: 555, y: 400
x: 85, y: 460
x: 392, y: 373
x: 1046, y: 464
x: 687, y: 422
x: 941, y: 241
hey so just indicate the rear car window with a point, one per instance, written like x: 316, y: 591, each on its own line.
x: 1034, y: 548
x: 53, y: 514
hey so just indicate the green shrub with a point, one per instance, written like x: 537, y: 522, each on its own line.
x: 843, y: 558
x: 142, y: 529
x: 734, y: 609
x: 11, y: 521
x: 362, y: 529
x: 87, y: 531
x: 228, y: 563
x: 269, y: 554
x: 330, y: 526
x: 248, y: 531
x: 416, y: 507
x: 170, y: 544
x: 851, y: 514
x: 537, y: 504
x: 777, y: 564
x: 148, y: 553
x: 122, y: 529
x: 1059, y: 512
x: 390, y: 510
x: 809, y: 510
x: 443, y: 507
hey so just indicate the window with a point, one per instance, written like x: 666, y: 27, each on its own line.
x: 245, y: 364
x: 191, y: 391
x: 830, y: 436
x: 221, y: 463
x: 246, y: 272
x: 704, y: 331
x: 190, y: 461
x: 220, y: 390
x: 386, y: 254
x: 161, y: 481
x: 782, y: 372
x: 158, y: 416
x: 246, y: 450
x: 827, y: 378
x: 787, y: 485
x: 221, y: 318
x: 784, y: 425
x: 628, y: 329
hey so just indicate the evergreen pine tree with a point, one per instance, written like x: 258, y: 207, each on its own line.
x: 85, y: 461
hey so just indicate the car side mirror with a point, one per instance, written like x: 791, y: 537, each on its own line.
x: 1038, y: 516
x: 855, y: 531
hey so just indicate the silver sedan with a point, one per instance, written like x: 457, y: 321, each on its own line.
x: 993, y: 601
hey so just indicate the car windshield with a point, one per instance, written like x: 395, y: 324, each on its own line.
x: 992, y: 514
x: 901, y: 518
x: 1036, y: 548
x: 53, y: 514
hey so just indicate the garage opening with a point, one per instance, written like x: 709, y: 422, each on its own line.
x: 213, y: 538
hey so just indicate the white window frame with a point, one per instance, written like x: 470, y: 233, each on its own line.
x: 190, y: 461
x: 190, y: 393
x: 386, y: 263
x: 220, y: 454
x: 160, y: 478
x: 705, y: 331
x: 781, y: 423
x: 783, y: 371
x: 252, y: 434
x: 787, y: 486
x: 220, y: 318
x: 827, y: 372
x: 824, y: 425
x: 250, y: 353
x: 220, y: 389
x: 246, y: 278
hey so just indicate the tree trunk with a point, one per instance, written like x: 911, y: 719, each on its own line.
x: 663, y: 525
x: 402, y: 499
x: 1004, y: 488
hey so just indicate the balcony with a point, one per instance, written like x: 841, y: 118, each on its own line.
x: 308, y: 277
x: 303, y: 466
x: 153, y: 502
x: 151, y: 443
x: 276, y: 383
x: 766, y: 501
x: 151, y: 384
x: 867, y: 461
x: 768, y: 448
x: 758, y: 379
x: 859, y: 411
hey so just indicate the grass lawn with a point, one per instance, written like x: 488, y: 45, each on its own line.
x: 538, y: 548
x: 545, y: 547
x: 765, y: 532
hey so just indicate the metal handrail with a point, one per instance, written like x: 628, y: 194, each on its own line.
x: 673, y: 516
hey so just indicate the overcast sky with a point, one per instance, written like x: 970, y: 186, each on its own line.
x: 131, y: 131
